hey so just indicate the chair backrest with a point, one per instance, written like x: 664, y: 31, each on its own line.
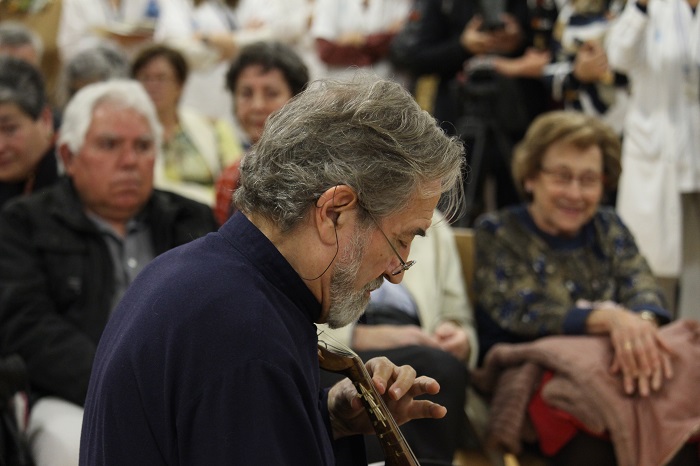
x: 464, y: 237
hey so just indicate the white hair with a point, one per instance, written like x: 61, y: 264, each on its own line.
x: 126, y: 93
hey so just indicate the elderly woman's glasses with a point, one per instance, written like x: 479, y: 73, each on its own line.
x: 564, y: 178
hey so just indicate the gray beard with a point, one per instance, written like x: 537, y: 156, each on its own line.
x: 347, y: 304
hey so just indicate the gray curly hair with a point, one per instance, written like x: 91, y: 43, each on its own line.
x: 366, y: 133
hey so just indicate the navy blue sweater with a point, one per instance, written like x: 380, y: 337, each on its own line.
x: 211, y: 359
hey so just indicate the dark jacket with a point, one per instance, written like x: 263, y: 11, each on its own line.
x: 57, y: 280
x: 45, y: 174
x: 430, y: 44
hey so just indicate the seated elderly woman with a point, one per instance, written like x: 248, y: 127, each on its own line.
x: 262, y: 78
x: 195, y: 148
x: 94, y: 64
x: 562, y: 264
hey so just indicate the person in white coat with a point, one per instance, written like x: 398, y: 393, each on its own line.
x: 210, y: 33
x: 657, y: 44
x: 352, y: 34
x: 87, y: 23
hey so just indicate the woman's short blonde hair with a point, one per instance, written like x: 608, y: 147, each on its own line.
x: 570, y: 127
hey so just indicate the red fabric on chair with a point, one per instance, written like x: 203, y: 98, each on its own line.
x: 554, y: 427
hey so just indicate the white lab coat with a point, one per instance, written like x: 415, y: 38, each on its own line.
x: 661, y: 148
x: 80, y: 18
x: 251, y: 21
x: 333, y: 19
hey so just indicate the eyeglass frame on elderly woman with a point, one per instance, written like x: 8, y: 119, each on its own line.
x: 565, y: 178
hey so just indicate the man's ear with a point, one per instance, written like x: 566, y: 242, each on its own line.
x: 332, y: 210
x: 66, y: 157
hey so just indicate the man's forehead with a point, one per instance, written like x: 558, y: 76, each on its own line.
x: 418, y: 216
x: 107, y: 118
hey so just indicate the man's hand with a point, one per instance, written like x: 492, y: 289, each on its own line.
x: 398, y: 386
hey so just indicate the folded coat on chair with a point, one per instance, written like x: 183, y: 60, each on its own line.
x: 645, y: 431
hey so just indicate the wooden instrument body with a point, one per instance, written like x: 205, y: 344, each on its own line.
x: 397, y: 452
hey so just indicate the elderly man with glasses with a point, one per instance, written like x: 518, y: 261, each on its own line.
x: 211, y: 358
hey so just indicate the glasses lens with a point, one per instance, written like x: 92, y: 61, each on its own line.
x: 403, y: 267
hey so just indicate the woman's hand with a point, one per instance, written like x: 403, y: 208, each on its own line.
x: 398, y: 386
x: 478, y: 42
x: 453, y: 339
x: 591, y: 63
x: 385, y: 336
x: 641, y: 356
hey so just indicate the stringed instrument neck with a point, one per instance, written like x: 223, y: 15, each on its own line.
x: 396, y: 450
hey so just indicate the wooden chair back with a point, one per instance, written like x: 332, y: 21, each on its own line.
x: 464, y: 237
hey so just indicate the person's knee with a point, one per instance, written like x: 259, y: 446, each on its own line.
x: 449, y: 371
x: 54, y: 432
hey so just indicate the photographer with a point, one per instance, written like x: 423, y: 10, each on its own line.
x: 439, y: 38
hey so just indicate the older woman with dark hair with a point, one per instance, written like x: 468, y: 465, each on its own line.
x: 263, y: 77
x: 195, y: 148
x: 27, y: 159
x: 98, y: 63
x: 562, y: 264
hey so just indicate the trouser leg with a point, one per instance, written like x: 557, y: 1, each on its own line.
x: 54, y: 432
x: 689, y: 299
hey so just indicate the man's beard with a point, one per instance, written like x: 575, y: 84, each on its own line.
x: 348, y: 304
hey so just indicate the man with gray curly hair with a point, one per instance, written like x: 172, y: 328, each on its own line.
x: 68, y: 253
x: 211, y: 357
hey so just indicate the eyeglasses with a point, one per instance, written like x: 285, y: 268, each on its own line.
x: 564, y: 178
x: 156, y: 78
x: 404, y: 265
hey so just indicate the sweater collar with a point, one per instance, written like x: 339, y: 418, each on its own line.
x: 248, y: 240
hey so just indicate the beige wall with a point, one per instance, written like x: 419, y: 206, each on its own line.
x: 45, y: 23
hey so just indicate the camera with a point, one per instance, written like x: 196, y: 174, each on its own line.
x: 491, y: 11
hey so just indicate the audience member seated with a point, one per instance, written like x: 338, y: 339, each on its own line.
x: 562, y: 264
x: 195, y: 148
x: 263, y: 77
x: 357, y: 34
x: 426, y: 322
x: 27, y: 159
x: 68, y: 254
x: 489, y: 112
x: 95, y: 64
x: 128, y: 24
x: 211, y: 33
x: 19, y: 41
